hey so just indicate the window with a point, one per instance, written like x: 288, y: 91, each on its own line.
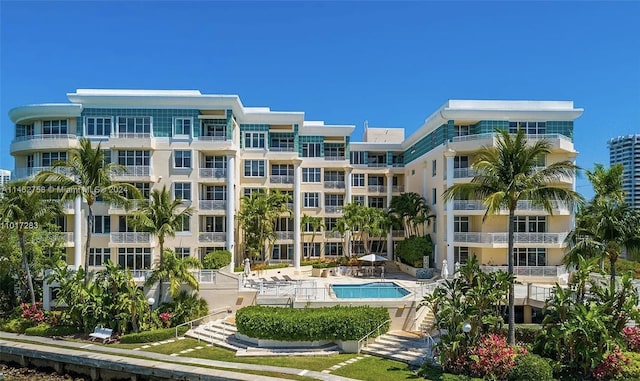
x: 101, y: 224
x: 98, y: 256
x: 530, y: 224
x: 214, y: 192
x: 376, y: 180
x: 213, y: 129
x: 282, y: 252
x: 530, y: 256
x: 357, y: 247
x: 461, y: 162
x: 333, y: 176
x: 219, y: 162
x: 333, y: 249
x: 357, y: 179
x: 531, y: 128
x: 254, y: 168
x: 460, y: 254
x: 123, y: 225
x: 49, y: 158
x: 134, y: 126
x: 359, y: 157
x: 377, y: 202
x: 434, y: 196
x: 144, y: 188
x: 183, y: 252
x: 254, y: 139
x: 134, y: 158
x: 330, y: 223
x: 282, y: 170
x: 377, y: 160
x: 135, y: 258
x: 311, y: 150
x: 334, y: 200
x: 185, y: 224
x: 213, y: 224
x: 433, y: 167
x: 249, y: 191
x: 182, y: 126
x: 54, y: 127
x: 311, y: 200
x: 334, y: 151
x: 182, y: 191
x: 311, y: 175
x: 461, y: 130
x: 284, y: 224
x: 182, y: 159
x: 98, y: 126
x: 311, y: 250
x: 461, y: 224
x: 31, y: 160
x: 358, y: 200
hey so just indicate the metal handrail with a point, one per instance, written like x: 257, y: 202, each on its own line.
x: 226, y: 309
x: 366, y: 337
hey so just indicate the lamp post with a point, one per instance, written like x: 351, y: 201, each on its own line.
x: 151, y: 302
x: 466, y: 327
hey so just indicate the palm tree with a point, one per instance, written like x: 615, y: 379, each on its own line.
x: 177, y: 271
x: 316, y: 224
x: 411, y: 211
x: 23, y: 208
x: 88, y: 174
x: 161, y: 217
x: 509, y: 172
x: 607, y: 183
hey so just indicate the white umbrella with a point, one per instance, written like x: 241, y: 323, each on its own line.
x: 372, y: 258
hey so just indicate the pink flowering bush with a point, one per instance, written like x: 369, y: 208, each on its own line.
x: 611, y: 366
x: 631, y: 336
x: 165, y: 317
x: 33, y: 312
x: 493, y: 357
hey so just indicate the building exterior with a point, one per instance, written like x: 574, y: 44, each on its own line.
x: 5, y: 176
x: 625, y: 150
x: 211, y: 150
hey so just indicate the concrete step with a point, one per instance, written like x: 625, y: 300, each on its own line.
x: 229, y: 344
x: 401, y: 357
x: 422, y: 344
x: 319, y: 351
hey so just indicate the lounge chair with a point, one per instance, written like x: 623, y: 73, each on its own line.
x: 288, y: 278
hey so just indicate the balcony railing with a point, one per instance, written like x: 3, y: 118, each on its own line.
x: 333, y: 209
x: 212, y: 237
x: 334, y: 184
x: 377, y: 165
x: 130, y: 237
x: 133, y: 135
x: 523, y: 205
x: 459, y: 173
x: 284, y: 235
x: 212, y: 204
x: 135, y: 170
x: 502, y: 238
x: 280, y: 179
x: 397, y: 188
x: 332, y: 234
x: 553, y: 271
x: 215, y: 173
x: 467, y: 138
x: 397, y: 233
x: 335, y: 158
x: 213, y: 137
x: 377, y: 188
x: 282, y: 149
x: 45, y: 137
x: 23, y: 173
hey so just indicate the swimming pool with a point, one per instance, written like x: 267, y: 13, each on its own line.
x: 374, y: 290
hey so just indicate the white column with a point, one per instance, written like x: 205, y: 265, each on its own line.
x: 425, y: 172
x: 389, y: 197
x: 450, y: 154
x: 297, y: 195
x: 231, y: 207
x: 347, y: 187
x: 77, y: 232
x: 572, y: 219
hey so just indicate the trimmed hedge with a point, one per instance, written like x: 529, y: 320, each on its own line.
x: 153, y: 336
x: 525, y: 333
x: 412, y: 250
x: 530, y: 367
x: 310, y: 324
x: 16, y: 325
x: 48, y: 331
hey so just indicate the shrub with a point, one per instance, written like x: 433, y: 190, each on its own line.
x: 32, y: 312
x: 153, y: 335
x: 216, y: 259
x: 48, y: 331
x: 631, y: 336
x: 17, y: 325
x: 185, y: 307
x: 631, y: 369
x: 319, y: 263
x: 412, y: 250
x: 611, y: 366
x: 493, y: 358
x: 530, y: 367
x: 624, y: 266
x: 525, y: 333
x: 310, y: 324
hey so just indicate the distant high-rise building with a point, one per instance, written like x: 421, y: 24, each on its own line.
x: 5, y: 176
x: 625, y: 150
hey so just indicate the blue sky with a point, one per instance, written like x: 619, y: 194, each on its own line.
x: 389, y: 63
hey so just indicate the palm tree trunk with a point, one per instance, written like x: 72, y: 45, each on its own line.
x: 161, y: 241
x: 88, y: 244
x: 612, y: 259
x: 512, y: 319
x: 25, y: 262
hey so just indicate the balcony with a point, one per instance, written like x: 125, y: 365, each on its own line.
x: 557, y: 207
x: 27, y: 173
x: 546, y: 271
x: 44, y: 137
x: 460, y: 173
x: 286, y: 235
x: 212, y: 204
x: 213, y: 138
x: 130, y: 237
x: 282, y: 149
x: 281, y: 179
x: 335, y: 158
x: 397, y: 233
x: 501, y: 239
x: 377, y: 165
x: 334, y: 184
x: 333, y: 209
x: 491, y: 135
x: 397, y: 188
x: 332, y: 234
x: 61, y: 142
x: 118, y: 208
x: 136, y: 171
x: 206, y: 237
x: 377, y: 188
x: 213, y: 173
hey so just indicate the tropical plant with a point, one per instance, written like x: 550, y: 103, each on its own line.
x: 22, y: 208
x: 216, y: 259
x: 411, y: 211
x: 162, y: 217
x: 509, y: 172
x: 316, y: 225
x: 176, y: 271
x: 363, y: 224
x: 185, y: 307
x: 88, y: 174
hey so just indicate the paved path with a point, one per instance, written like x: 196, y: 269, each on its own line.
x: 161, y: 358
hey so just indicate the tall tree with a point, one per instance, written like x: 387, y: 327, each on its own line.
x: 607, y: 183
x: 87, y: 173
x: 509, y: 172
x: 315, y: 224
x: 411, y: 211
x: 161, y: 217
x: 22, y: 208
x: 176, y: 271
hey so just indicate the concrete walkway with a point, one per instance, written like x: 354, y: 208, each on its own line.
x: 158, y: 358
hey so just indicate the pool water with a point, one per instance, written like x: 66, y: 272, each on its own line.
x: 375, y: 290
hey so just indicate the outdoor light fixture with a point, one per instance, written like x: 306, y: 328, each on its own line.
x: 466, y: 327
x: 151, y: 302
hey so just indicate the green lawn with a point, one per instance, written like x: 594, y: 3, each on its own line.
x: 375, y: 369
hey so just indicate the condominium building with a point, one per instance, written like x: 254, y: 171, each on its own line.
x: 5, y: 176
x: 211, y: 150
x: 625, y: 150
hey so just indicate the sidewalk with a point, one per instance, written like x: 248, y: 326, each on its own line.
x: 156, y: 359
